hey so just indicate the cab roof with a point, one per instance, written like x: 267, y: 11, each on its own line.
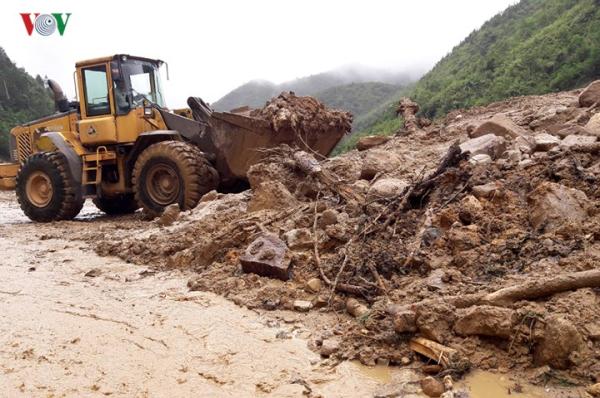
x: 100, y: 60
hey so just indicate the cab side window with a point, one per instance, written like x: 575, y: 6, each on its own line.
x: 96, y: 91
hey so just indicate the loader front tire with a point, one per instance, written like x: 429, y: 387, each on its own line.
x: 46, y: 190
x: 172, y: 172
x: 117, y: 205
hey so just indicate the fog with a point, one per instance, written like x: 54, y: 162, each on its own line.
x: 213, y: 47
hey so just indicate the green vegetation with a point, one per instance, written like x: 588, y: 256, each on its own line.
x: 384, y: 127
x: 357, y: 98
x: 533, y: 47
x: 22, y: 98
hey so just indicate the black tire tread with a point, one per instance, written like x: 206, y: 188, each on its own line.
x: 69, y: 201
x: 198, y: 175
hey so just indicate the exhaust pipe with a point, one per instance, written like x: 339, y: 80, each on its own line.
x: 60, y: 99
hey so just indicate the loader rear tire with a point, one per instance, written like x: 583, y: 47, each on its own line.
x: 117, y: 205
x: 172, y: 172
x: 46, y: 190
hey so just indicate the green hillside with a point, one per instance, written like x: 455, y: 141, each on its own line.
x: 358, y: 98
x: 22, y: 98
x: 256, y: 93
x: 533, y: 47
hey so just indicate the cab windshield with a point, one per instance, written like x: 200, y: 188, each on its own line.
x: 140, y: 80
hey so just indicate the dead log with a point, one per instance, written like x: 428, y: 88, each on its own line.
x: 442, y: 355
x: 530, y: 290
x: 544, y: 287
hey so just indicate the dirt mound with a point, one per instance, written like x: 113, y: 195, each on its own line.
x: 491, y: 263
x: 302, y: 115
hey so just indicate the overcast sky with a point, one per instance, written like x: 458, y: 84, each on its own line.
x: 214, y: 46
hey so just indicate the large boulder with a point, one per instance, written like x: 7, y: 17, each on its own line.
x: 371, y: 141
x: 545, y: 141
x: 590, y: 95
x: 271, y: 195
x: 560, y: 344
x: 387, y: 188
x: 488, y: 144
x: 572, y: 129
x: 593, y: 125
x: 499, y: 125
x: 485, y: 320
x: 580, y: 141
x: 268, y: 256
x: 378, y: 161
x: 551, y: 205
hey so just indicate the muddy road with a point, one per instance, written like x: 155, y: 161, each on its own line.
x: 124, y: 330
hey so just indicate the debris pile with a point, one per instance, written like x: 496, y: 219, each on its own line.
x: 472, y: 241
x: 302, y: 115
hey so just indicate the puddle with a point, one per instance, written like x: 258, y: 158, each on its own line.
x: 379, y: 373
x: 482, y: 384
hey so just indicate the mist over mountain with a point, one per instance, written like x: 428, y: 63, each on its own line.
x: 255, y: 93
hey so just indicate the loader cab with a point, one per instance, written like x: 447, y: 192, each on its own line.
x: 116, y: 97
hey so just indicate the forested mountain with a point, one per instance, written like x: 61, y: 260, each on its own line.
x: 533, y: 47
x: 22, y: 98
x: 256, y: 93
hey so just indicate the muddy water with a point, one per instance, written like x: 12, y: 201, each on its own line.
x: 495, y: 385
x: 131, y: 332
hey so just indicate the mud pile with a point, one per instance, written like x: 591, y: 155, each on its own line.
x: 302, y: 115
x: 473, y: 241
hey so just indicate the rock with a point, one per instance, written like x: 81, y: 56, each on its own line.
x: 593, y: 331
x: 552, y: 205
x: 593, y: 390
x: 169, y: 215
x: 210, y: 196
x: 299, y: 238
x: 590, y: 95
x: 480, y: 159
x: 501, y: 126
x: 526, y: 163
x: 271, y: 195
x: 371, y: 141
x: 434, y: 321
x: 573, y: 129
x: 593, y: 125
x: 93, y: 273
x: 577, y: 140
x: 463, y: 238
x: 347, y: 168
x: 405, y: 322
x: 378, y: 161
x: 486, y: 191
x: 328, y: 217
x: 355, y: 308
x: 514, y: 156
x: 387, y: 188
x: 485, y: 320
x: 329, y: 347
x: 488, y: 144
x: 432, y: 387
x: 544, y: 141
x: 268, y: 256
x: 523, y: 144
x: 314, y: 285
x: 302, y: 305
x: 560, y: 344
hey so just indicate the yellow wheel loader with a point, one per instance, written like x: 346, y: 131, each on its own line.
x: 120, y: 146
